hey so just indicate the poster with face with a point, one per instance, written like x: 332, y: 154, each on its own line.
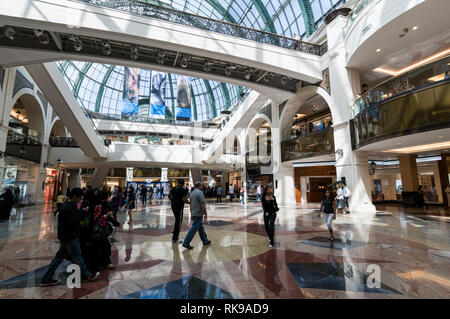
x: 130, y: 99
x: 158, y: 95
x: 183, y: 100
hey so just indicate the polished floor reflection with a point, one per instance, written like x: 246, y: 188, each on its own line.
x: 411, y: 248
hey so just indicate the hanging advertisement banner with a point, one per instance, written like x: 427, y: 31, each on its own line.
x: 130, y: 98
x: 129, y: 174
x: 158, y: 95
x: 183, y: 111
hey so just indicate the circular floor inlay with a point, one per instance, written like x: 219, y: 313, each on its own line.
x: 226, y: 245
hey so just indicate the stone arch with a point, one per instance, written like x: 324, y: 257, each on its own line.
x: 292, y: 105
x: 257, y: 121
x: 58, y: 128
x: 35, y: 110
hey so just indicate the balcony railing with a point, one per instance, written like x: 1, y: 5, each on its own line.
x: 62, y: 141
x: 180, y: 17
x: 23, y: 147
x: 417, y: 79
x: 411, y: 112
x: 309, y: 145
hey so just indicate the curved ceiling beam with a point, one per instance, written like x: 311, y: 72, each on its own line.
x: 211, y: 98
x: 98, y: 101
x: 308, y: 17
x: 226, y: 15
x: 264, y: 15
x: 80, y: 78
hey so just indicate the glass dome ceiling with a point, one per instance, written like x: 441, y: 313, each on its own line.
x: 100, y: 88
x: 283, y: 17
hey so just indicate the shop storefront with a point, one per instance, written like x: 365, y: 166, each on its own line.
x: 51, y: 185
x: 312, y: 181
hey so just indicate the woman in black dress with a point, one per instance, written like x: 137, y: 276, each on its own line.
x: 131, y: 199
x: 270, y: 207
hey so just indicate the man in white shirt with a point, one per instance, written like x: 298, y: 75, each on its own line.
x: 346, y: 194
x: 231, y: 192
x: 258, y: 194
x: 339, y: 198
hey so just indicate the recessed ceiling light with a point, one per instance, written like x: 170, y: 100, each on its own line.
x: 415, y: 28
x: 398, y: 144
x: 440, y: 136
x: 378, y: 50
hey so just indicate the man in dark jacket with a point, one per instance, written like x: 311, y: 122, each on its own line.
x: 69, y: 237
x: 178, y: 197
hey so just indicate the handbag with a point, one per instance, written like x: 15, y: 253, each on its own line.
x: 275, y: 207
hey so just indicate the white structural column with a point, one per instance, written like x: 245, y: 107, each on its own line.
x: 344, y: 85
x: 241, y: 163
x: 5, y: 101
x: 98, y: 177
x: 196, y: 174
x: 74, y: 179
x: 283, y: 174
x: 41, y: 175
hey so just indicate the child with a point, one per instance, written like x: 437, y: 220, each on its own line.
x: 328, y: 212
x: 59, y: 201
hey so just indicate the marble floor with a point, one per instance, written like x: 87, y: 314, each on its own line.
x: 411, y: 250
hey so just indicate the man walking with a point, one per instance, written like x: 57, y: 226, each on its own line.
x: 258, y: 194
x: 198, y: 208
x: 69, y: 237
x: 178, y: 197
x: 219, y: 194
x: 346, y: 193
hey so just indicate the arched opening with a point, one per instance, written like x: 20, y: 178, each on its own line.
x: 232, y: 149
x: 58, y: 136
x: 23, y: 145
x: 258, y: 155
x: 309, y: 138
x: 26, y: 118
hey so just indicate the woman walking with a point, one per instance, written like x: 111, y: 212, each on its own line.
x: 131, y: 199
x: 328, y: 212
x: 270, y: 207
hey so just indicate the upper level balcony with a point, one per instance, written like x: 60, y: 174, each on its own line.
x: 23, y: 147
x: 416, y: 101
x: 314, y: 138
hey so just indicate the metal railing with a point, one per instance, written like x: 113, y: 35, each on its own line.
x: 63, y: 141
x: 20, y: 139
x: 193, y: 20
x: 421, y: 110
x: 313, y: 144
x: 141, y: 119
x: 312, y: 126
x: 23, y: 147
x: 417, y: 79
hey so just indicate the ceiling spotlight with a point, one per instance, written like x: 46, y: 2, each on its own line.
x: 44, y: 39
x: 207, y: 65
x: 78, y: 45
x: 378, y: 50
x: 184, y: 61
x: 160, y: 60
x: 415, y: 28
x: 284, y: 80
x: 133, y: 55
x: 106, y: 44
x: 161, y: 54
x: 9, y: 32
x: 268, y: 77
x: 229, y: 68
x: 38, y: 32
x: 107, y: 50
